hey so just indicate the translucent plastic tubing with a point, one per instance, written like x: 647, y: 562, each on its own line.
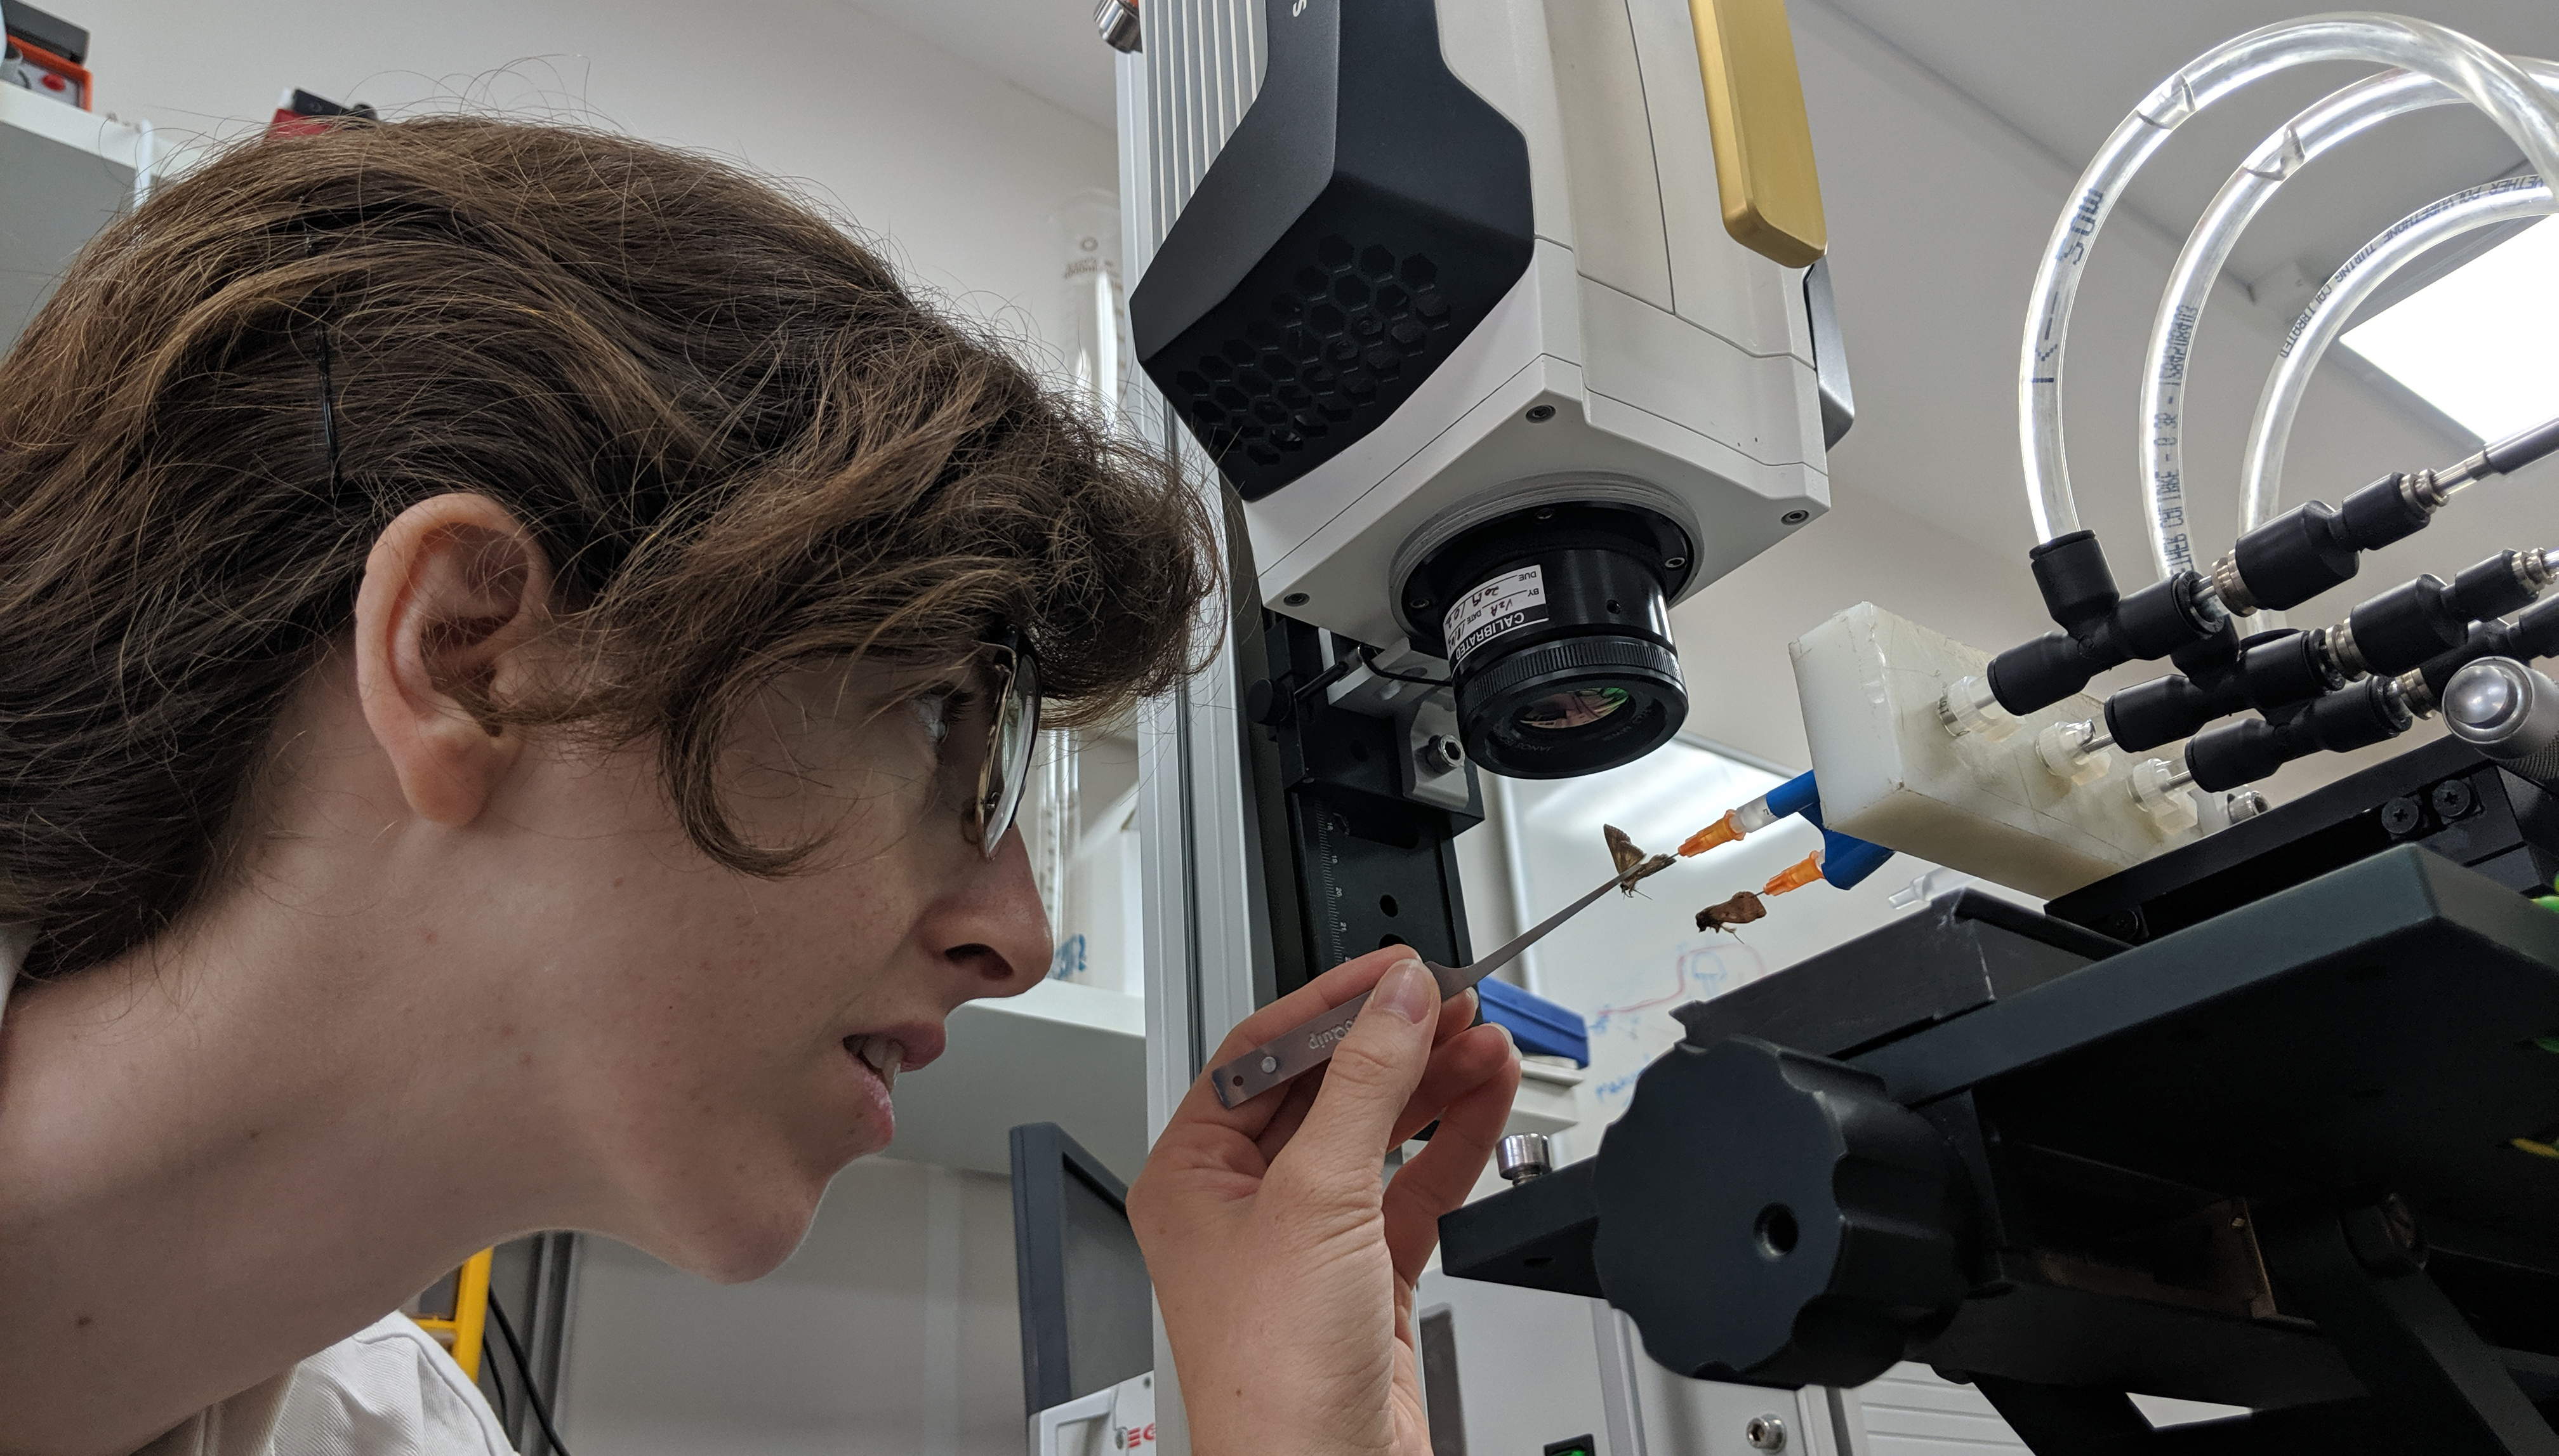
x: 2470, y: 70
x: 2159, y: 428
x: 2262, y: 468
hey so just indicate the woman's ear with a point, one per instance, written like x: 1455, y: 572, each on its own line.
x: 454, y: 595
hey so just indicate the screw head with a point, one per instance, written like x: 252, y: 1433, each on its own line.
x: 2401, y: 816
x: 1766, y: 1433
x: 1441, y: 753
x: 1294, y: 599
x: 2453, y: 799
x: 1796, y: 516
x: 1539, y: 414
x: 1270, y: 1065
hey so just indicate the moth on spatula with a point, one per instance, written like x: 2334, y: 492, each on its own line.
x: 1631, y: 860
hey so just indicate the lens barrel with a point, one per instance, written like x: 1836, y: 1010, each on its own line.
x: 1553, y: 621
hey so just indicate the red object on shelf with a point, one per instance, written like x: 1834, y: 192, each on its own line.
x: 61, y: 79
x: 301, y: 113
x: 293, y: 123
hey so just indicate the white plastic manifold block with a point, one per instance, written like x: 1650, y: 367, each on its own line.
x: 1889, y: 772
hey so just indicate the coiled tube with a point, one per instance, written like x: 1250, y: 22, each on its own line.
x: 2262, y: 466
x: 2343, y: 113
x: 2476, y: 73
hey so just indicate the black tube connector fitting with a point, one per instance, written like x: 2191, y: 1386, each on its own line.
x: 2271, y: 672
x: 2418, y: 620
x: 2371, y: 711
x: 2100, y: 628
x: 2533, y: 635
x: 2314, y: 546
x: 2403, y: 627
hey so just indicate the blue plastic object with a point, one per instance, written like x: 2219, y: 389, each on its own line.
x: 1796, y: 795
x: 1540, y: 1027
x: 1845, y: 859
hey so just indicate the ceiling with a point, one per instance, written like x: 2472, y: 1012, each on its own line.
x: 2059, y: 74
x: 1048, y: 47
x: 2063, y: 74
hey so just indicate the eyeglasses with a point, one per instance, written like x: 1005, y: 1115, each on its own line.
x: 1013, y: 729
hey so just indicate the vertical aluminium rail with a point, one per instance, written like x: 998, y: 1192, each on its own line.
x: 1204, y: 933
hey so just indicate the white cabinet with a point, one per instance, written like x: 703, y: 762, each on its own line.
x: 63, y: 174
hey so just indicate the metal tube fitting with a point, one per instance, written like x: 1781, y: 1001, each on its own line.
x: 1523, y: 1156
x: 2230, y: 588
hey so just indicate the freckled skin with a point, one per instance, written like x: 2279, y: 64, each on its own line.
x: 263, y: 1135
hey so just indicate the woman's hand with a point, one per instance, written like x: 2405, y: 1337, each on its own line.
x: 1284, y: 1268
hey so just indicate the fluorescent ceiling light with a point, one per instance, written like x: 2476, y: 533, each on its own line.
x: 2482, y: 342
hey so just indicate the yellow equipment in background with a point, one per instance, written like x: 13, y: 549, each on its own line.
x: 458, y: 1328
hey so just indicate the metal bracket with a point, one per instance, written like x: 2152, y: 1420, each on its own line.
x: 1434, y: 767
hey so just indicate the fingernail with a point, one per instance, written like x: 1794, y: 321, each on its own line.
x: 1507, y: 1037
x: 1407, y: 990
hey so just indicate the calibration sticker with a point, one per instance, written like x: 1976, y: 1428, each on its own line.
x: 1509, y: 600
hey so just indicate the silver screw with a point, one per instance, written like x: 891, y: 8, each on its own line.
x: 1766, y: 1433
x: 1442, y: 754
x: 1117, y: 20
x: 1523, y: 1156
x: 1270, y: 1065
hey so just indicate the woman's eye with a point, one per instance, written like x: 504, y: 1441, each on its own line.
x: 933, y: 712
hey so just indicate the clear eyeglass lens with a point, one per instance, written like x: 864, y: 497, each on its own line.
x: 1011, y: 741
x: 1557, y: 712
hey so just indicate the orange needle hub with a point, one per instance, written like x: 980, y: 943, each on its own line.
x: 1722, y: 831
x: 1794, y: 876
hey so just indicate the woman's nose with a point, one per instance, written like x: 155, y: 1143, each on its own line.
x: 991, y: 924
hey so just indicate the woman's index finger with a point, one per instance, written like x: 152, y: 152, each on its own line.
x: 1352, y: 978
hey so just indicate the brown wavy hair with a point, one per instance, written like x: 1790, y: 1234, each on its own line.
x: 743, y: 444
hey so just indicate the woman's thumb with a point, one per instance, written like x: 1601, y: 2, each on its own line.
x: 1373, y: 1074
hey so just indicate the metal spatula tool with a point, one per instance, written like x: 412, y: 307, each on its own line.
x: 1310, y: 1045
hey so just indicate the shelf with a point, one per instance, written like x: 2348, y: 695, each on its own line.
x: 66, y: 173
x: 1545, y: 1101
x: 1058, y: 1052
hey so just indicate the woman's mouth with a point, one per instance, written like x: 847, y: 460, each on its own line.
x: 884, y: 1055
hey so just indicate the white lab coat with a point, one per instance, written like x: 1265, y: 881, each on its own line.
x: 388, y: 1390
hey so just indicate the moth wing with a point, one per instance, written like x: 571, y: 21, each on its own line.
x: 1622, y: 849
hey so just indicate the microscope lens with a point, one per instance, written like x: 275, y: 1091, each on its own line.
x: 1559, y: 711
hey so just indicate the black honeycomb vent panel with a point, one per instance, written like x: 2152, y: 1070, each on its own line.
x: 1355, y: 319
x: 1367, y: 213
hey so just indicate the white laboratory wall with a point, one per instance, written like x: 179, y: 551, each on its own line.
x: 1094, y: 917
x: 961, y: 172
x: 892, y: 1332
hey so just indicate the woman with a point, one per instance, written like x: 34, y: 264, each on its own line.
x: 514, y: 652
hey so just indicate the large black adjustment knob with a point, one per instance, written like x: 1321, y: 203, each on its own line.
x: 1772, y: 1218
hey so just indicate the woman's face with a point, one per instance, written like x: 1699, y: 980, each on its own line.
x: 714, y: 1034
